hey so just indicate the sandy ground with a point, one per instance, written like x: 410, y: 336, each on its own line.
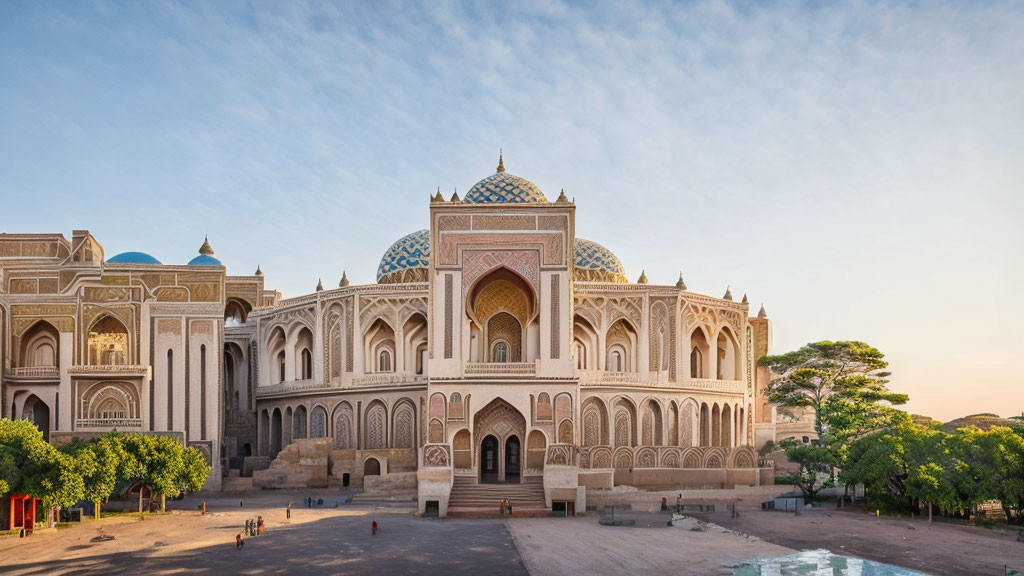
x: 554, y: 547
x: 937, y: 548
x: 317, y: 541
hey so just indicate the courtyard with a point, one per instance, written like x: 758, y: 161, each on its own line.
x: 339, y: 540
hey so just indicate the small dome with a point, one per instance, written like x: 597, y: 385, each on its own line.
x: 206, y: 257
x: 595, y: 263
x: 132, y: 258
x: 407, y: 260
x: 504, y: 188
x: 204, y: 260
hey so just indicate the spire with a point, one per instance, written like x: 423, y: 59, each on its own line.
x: 643, y: 277
x: 455, y: 196
x: 258, y: 271
x: 745, y: 301
x: 206, y: 249
x: 561, y: 197
x: 679, y: 283
x: 344, y: 280
x: 728, y: 294
x: 761, y: 313
x: 437, y: 197
x: 319, y: 285
x: 501, y: 161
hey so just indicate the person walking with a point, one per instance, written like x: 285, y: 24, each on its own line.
x: 239, y: 542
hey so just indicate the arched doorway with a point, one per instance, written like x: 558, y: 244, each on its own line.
x: 500, y: 429
x: 38, y: 412
x: 489, y: 469
x: 371, y: 467
x: 513, y: 454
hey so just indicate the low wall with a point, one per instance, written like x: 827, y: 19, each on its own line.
x: 560, y: 483
x: 597, y: 479
x: 650, y: 501
x: 690, y: 478
x: 392, y: 482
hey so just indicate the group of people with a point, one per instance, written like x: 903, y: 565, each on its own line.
x: 313, y: 502
x: 252, y: 528
x: 505, y: 505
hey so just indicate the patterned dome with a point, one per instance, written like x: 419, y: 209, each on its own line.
x: 595, y: 263
x: 406, y: 260
x: 132, y: 258
x: 504, y: 188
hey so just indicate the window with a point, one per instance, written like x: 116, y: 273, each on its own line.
x: 696, y: 363
x: 280, y: 362
x: 615, y: 361
x: 307, y: 364
x: 500, y: 352
x: 384, y: 361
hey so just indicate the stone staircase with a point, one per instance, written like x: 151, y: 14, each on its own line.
x: 470, y: 499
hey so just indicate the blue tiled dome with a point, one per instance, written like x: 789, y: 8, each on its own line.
x: 504, y: 188
x: 595, y: 263
x: 132, y: 258
x: 407, y: 260
x: 204, y: 260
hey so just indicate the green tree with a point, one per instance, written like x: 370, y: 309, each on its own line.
x: 99, y: 462
x: 32, y: 466
x: 844, y: 384
x: 164, y: 466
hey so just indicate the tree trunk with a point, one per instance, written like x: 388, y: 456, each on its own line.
x: 141, y: 515
x: 163, y: 503
x: 929, y: 511
x: 96, y: 512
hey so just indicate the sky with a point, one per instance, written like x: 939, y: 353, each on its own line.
x: 858, y: 167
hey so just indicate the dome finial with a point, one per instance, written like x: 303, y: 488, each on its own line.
x: 319, y: 285
x: 437, y: 197
x: 258, y: 271
x: 728, y: 294
x: 745, y: 301
x: 501, y: 161
x: 643, y: 277
x: 455, y: 196
x: 344, y: 279
x: 561, y: 197
x: 206, y: 249
x: 679, y: 283
x: 761, y: 313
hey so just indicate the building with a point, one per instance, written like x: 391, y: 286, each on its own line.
x: 496, y: 346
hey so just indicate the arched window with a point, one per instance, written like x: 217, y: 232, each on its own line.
x: 307, y: 364
x: 500, y: 352
x: 384, y: 361
x: 280, y: 362
x: 696, y: 363
x: 615, y: 361
x: 581, y: 355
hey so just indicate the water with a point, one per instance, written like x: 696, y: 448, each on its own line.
x: 819, y: 563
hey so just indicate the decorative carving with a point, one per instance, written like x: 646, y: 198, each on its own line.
x: 376, y: 425
x: 344, y: 427
x: 556, y: 321
x: 436, y: 456
x: 449, y: 306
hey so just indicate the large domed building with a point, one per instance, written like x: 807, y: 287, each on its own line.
x: 496, y: 347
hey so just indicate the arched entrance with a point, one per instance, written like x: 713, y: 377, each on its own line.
x: 489, y: 459
x: 37, y: 412
x: 371, y: 467
x: 499, y: 429
x: 513, y: 455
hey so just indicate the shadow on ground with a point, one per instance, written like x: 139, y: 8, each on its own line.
x: 333, y: 545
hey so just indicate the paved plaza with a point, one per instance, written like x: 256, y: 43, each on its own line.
x: 339, y: 540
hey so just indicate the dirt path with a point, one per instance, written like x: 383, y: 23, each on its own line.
x: 937, y: 548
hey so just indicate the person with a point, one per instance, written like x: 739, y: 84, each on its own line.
x: 501, y: 507
x: 509, y: 508
x: 260, y: 526
x: 374, y: 527
x: 239, y: 542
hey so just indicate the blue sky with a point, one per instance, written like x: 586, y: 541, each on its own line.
x: 857, y: 167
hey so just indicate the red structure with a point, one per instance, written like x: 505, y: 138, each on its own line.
x: 22, y: 513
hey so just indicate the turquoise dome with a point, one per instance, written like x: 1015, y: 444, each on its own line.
x: 407, y: 260
x: 504, y: 188
x: 595, y: 263
x: 132, y: 258
x: 204, y: 260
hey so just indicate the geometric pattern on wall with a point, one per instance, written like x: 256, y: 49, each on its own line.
x: 504, y: 188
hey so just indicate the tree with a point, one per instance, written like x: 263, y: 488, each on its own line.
x: 164, y: 466
x: 99, y: 463
x: 31, y: 465
x: 844, y: 384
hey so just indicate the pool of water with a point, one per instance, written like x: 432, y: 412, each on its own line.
x: 819, y: 563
